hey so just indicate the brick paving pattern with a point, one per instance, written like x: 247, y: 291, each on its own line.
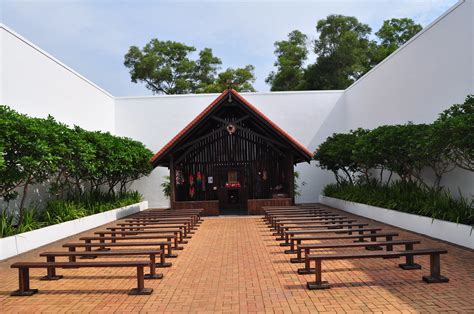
x: 234, y: 264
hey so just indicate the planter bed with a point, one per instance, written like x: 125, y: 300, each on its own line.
x: 459, y: 234
x: 23, y: 242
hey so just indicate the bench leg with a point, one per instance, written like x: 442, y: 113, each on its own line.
x: 292, y: 246
x: 51, y: 275
x: 24, y: 284
x: 140, y: 289
x: 307, y: 266
x: 162, y: 262
x: 286, y: 236
x: 153, y: 274
x: 88, y: 249
x: 319, y: 283
x: 435, y: 270
x: 373, y: 247
x: 170, y: 254
x: 410, y: 260
x: 298, y: 258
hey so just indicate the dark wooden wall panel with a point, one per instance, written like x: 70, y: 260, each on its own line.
x: 255, y: 206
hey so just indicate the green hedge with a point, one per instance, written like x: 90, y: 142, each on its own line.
x: 74, y: 162
x: 406, y: 197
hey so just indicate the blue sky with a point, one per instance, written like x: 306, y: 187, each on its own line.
x: 92, y: 36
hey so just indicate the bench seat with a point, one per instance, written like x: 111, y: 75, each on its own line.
x: 24, y: 273
x: 434, y: 253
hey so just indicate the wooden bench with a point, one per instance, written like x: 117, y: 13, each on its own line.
x: 282, y: 226
x: 24, y: 274
x: 103, y: 240
x: 373, y: 237
x: 51, y: 258
x: 186, y: 221
x: 156, y: 226
x: 164, y: 245
x: 435, y: 263
x: 306, y: 218
x: 124, y: 233
x: 291, y: 231
x: 304, y: 249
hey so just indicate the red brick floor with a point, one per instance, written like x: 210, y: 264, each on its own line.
x: 234, y: 264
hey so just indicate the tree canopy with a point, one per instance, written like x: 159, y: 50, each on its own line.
x: 291, y: 55
x: 344, y: 52
x: 166, y: 67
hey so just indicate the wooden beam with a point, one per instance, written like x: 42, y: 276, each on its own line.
x: 172, y: 181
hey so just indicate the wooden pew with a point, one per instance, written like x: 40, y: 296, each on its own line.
x: 164, y: 245
x: 288, y: 230
x: 24, y: 274
x: 305, y: 249
x: 302, y: 219
x: 282, y: 226
x: 102, y: 240
x: 294, y: 233
x: 51, y: 258
x: 435, y: 263
x: 158, y: 225
x: 115, y: 233
x: 373, y: 236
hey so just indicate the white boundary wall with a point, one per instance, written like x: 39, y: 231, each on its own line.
x: 432, y: 71
x: 429, y: 73
x: 155, y: 120
x: 445, y: 230
x: 35, y: 83
x: 27, y: 241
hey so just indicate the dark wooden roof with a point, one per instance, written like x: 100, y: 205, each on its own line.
x: 161, y: 158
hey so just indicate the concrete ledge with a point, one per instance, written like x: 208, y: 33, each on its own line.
x: 27, y: 241
x: 459, y: 234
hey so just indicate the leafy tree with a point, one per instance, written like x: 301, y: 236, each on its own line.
x: 240, y: 79
x: 206, y: 69
x: 335, y: 154
x: 291, y: 55
x: 28, y: 154
x: 166, y: 68
x: 393, y: 34
x: 342, y: 50
x: 344, y: 53
x: 456, y: 125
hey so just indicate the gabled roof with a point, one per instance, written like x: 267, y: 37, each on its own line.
x: 305, y: 154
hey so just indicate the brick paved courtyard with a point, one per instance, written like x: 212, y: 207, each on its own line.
x: 234, y: 264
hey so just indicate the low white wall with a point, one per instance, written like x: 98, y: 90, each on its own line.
x: 27, y: 241
x: 154, y: 120
x: 448, y: 231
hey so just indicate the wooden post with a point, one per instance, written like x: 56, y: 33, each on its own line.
x: 172, y: 182
x: 291, y: 178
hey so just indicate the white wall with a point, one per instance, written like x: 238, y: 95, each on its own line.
x: 35, y: 83
x: 155, y: 120
x: 432, y: 71
x: 424, y: 77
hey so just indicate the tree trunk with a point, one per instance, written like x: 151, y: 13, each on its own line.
x: 22, y: 203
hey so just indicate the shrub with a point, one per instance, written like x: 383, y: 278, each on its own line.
x: 35, y: 150
x: 406, y: 196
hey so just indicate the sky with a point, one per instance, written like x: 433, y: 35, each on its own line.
x: 92, y: 37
